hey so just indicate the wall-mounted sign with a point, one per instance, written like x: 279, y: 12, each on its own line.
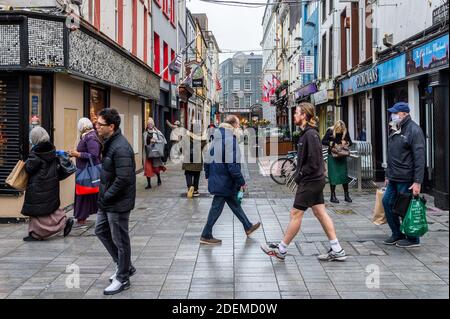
x: 389, y: 71
x: 322, y: 96
x: 367, y: 77
x: 306, y: 64
x: 440, y: 14
x: 197, y: 83
x: 428, y: 56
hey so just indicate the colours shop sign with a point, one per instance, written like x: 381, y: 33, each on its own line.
x: 367, y: 78
x: 384, y: 73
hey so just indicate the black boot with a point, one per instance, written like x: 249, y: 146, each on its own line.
x: 159, y: 180
x: 333, y: 197
x: 149, y: 184
x: 347, y: 195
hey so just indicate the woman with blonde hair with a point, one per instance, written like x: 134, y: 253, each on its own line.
x: 337, y: 135
x: 89, y: 148
x: 153, y: 165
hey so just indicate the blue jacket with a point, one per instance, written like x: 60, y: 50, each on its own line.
x: 222, y: 164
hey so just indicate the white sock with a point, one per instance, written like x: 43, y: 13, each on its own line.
x: 335, y: 245
x: 282, y: 247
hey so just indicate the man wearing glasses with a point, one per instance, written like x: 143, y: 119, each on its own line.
x: 116, y: 198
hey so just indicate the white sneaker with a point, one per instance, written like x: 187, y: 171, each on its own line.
x: 332, y: 255
x: 114, y: 276
x: 116, y: 287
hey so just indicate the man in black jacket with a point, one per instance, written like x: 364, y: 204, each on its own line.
x: 405, y: 168
x: 116, y: 198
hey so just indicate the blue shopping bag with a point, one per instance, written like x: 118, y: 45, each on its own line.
x: 87, y: 180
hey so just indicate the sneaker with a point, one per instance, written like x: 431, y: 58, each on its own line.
x: 131, y: 273
x: 331, y: 255
x: 253, y: 228
x: 210, y: 241
x: 190, y: 192
x: 30, y: 238
x: 272, y: 250
x: 392, y: 240
x: 68, y: 227
x: 116, y: 287
x: 406, y: 243
x: 196, y: 194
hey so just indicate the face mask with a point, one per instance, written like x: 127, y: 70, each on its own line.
x: 396, y: 118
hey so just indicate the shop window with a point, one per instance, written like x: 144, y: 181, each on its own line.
x: 360, y: 118
x: 35, y: 93
x: 97, y: 102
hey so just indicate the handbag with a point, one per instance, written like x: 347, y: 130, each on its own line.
x: 379, y: 217
x: 154, y: 150
x: 401, y: 204
x: 18, y: 178
x: 340, y: 151
x: 65, y: 166
x: 87, y: 180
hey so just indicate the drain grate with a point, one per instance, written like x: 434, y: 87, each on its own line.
x: 344, y: 211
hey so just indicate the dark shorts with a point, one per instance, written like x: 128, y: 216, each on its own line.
x: 309, y: 194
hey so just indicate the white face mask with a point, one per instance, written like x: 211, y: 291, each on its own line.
x: 396, y: 118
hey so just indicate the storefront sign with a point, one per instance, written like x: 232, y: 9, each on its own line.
x: 367, y: 78
x: 237, y: 110
x: 323, y: 96
x: 306, y: 63
x: 440, y: 14
x: 306, y: 91
x: 197, y: 83
x: 386, y: 72
x: 428, y: 56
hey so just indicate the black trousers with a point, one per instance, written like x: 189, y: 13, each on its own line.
x: 192, y: 179
x: 112, y: 230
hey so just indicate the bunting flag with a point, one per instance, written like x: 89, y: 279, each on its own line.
x: 265, y: 95
x: 218, y: 85
x: 275, y: 81
x: 271, y: 89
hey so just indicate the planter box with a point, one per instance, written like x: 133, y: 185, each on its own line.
x: 275, y: 147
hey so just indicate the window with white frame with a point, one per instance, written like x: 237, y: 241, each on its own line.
x: 236, y: 85
x: 247, y: 100
x: 236, y: 101
x: 248, y: 69
x: 247, y: 85
x: 236, y: 70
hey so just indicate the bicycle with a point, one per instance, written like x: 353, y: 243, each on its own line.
x: 280, y: 169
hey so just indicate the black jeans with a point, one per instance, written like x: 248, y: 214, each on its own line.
x: 192, y: 179
x: 112, y: 230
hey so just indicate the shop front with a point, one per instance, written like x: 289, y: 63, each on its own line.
x: 419, y: 77
x: 49, y: 84
x: 326, y: 109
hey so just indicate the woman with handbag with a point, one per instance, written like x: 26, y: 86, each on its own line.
x: 338, y: 141
x: 192, y: 160
x: 87, y: 153
x: 154, y: 142
x: 42, y: 201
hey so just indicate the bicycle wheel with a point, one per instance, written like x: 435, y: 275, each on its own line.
x: 280, y: 168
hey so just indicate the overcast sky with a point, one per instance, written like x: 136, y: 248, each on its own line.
x: 235, y: 28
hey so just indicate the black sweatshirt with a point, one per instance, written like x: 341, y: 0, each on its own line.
x: 310, y: 163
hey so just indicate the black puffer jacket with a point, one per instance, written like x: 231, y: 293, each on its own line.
x: 406, y: 153
x: 42, y: 193
x: 310, y: 163
x: 118, y: 177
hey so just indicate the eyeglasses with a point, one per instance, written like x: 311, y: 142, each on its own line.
x: 101, y: 124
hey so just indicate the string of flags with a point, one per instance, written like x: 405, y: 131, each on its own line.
x: 269, y: 88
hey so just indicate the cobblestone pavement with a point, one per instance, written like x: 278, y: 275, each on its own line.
x: 165, y: 228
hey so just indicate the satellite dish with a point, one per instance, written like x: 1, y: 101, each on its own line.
x: 240, y: 59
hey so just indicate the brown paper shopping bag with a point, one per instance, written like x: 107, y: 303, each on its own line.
x: 18, y: 178
x: 379, y: 217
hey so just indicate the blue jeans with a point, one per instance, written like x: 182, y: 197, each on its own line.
x: 216, y: 210
x: 390, y: 195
